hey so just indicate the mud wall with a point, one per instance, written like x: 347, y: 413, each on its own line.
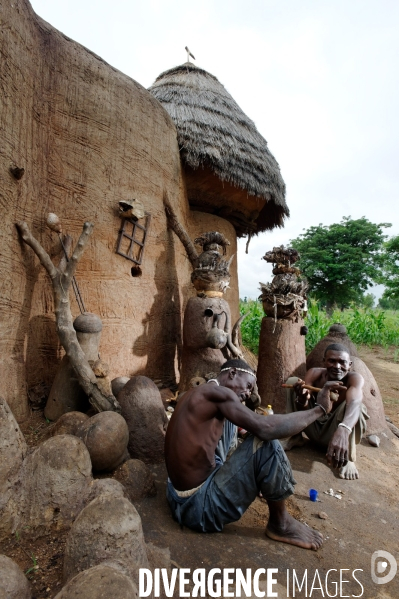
x: 87, y: 136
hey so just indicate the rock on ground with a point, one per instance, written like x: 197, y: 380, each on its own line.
x: 13, y: 583
x: 108, y: 528
x: 137, y: 480
x: 68, y: 424
x: 105, y: 486
x: 144, y: 413
x: 118, y: 383
x: 57, y: 479
x: 106, y: 436
x: 12, y: 452
x: 103, y: 580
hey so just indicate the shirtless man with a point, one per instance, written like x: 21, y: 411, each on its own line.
x: 204, y: 491
x: 345, y: 425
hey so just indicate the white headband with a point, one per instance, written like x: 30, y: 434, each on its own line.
x: 242, y: 370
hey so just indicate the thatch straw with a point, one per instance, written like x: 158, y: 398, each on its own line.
x: 213, y: 132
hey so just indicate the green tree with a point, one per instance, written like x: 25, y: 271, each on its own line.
x: 368, y: 301
x: 387, y: 303
x: 341, y: 261
x: 391, y: 269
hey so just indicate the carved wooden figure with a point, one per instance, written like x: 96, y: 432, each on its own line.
x: 207, y: 330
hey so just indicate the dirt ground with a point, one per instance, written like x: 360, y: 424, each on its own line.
x: 364, y: 520
x: 384, y: 364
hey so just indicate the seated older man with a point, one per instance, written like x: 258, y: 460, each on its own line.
x: 341, y: 429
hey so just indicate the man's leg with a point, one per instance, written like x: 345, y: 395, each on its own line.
x: 256, y: 466
x: 283, y: 527
x: 349, y: 471
x: 322, y: 430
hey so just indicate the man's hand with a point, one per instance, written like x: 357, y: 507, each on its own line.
x: 337, y: 452
x: 323, y: 396
x: 302, y: 394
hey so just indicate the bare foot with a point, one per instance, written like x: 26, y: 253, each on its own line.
x: 295, y: 533
x: 294, y: 441
x: 349, y: 471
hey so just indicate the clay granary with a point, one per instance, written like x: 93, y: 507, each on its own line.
x: 78, y: 138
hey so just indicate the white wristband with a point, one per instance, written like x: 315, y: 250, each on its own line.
x: 345, y: 426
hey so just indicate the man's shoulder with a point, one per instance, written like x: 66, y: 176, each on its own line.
x: 210, y: 393
x: 354, y: 379
x: 315, y: 373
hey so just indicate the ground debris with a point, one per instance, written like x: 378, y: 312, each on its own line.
x: 332, y: 494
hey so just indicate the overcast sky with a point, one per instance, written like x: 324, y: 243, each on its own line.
x: 318, y: 77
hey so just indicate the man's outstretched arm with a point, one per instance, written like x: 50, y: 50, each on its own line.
x: 276, y: 426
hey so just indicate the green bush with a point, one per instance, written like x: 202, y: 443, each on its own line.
x: 250, y: 326
x: 364, y: 326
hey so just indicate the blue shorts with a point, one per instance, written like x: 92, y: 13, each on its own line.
x: 231, y: 488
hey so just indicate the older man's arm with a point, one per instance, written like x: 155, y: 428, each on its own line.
x: 337, y: 452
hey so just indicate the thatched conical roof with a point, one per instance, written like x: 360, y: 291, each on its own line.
x: 214, y: 134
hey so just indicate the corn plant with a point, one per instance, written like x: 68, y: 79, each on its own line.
x: 250, y: 327
x: 364, y: 326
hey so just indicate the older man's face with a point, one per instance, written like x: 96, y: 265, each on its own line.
x: 337, y: 364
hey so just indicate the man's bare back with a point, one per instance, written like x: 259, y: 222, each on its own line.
x: 195, y: 429
x: 194, y: 432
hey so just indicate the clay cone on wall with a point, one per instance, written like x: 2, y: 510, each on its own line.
x: 66, y: 394
x: 371, y: 398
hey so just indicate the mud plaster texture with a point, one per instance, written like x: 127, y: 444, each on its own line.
x: 281, y: 355
x: 137, y: 480
x: 371, y: 398
x: 88, y: 137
